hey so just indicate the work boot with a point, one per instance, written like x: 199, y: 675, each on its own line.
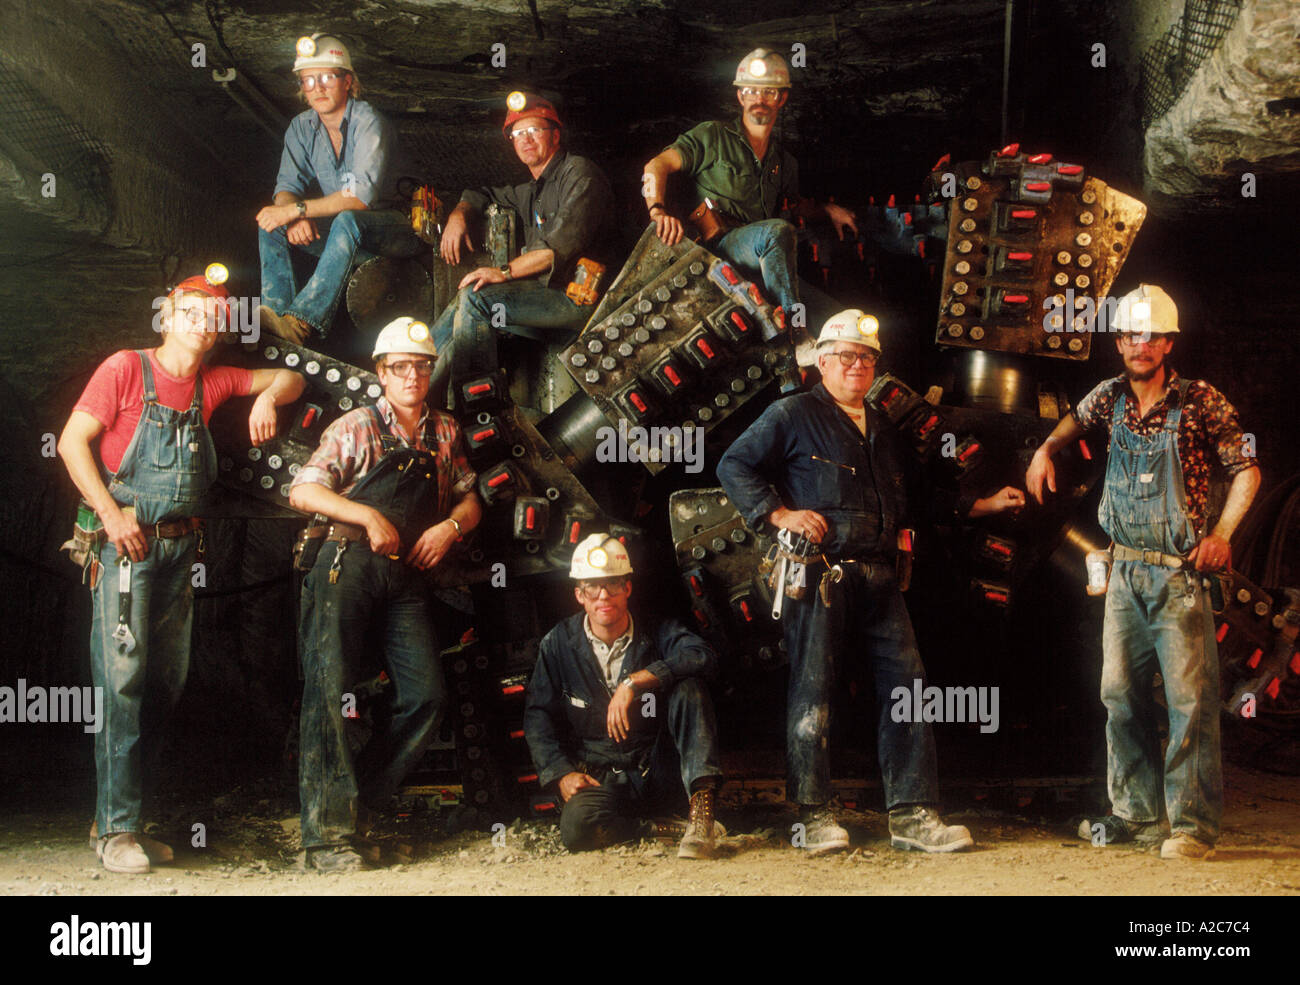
x: 1183, y: 845
x: 333, y: 859
x: 918, y: 828
x: 286, y: 326
x: 700, y: 840
x: 122, y: 853
x: 1115, y: 830
x: 821, y: 833
x: 157, y: 852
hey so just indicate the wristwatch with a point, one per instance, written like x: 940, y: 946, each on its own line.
x: 630, y: 683
x: 656, y: 205
x: 301, y: 206
x: 505, y: 269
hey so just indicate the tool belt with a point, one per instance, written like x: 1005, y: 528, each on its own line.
x: 89, y: 535
x: 1122, y: 553
x: 710, y: 221
x: 307, y: 547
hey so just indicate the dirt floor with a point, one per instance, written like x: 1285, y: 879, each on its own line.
x: 252, y: 849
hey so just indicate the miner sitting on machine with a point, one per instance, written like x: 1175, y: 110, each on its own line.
x: 618, y: 714
x: 565, y: 210
x: 395, y: 490
x: 744, y: 179
x: 341, y: 145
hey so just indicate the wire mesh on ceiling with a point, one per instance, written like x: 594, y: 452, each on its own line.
x: 1169, y: 64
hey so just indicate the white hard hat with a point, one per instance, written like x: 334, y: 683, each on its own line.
x: 763, y: 68
x: 322, y: 51
x: 600, y: 556
x: 405, y: 335
x: 1147, y: 310
x: 851, y: 325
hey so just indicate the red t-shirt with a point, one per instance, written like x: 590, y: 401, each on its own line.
x: 115, y: 397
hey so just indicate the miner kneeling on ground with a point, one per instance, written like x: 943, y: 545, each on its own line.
x: 619, y: 717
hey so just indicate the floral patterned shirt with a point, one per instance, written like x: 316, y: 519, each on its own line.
x: 1208, y: 426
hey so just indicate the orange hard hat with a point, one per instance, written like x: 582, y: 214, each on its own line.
x: 523, y: 104
x: 212, y: 283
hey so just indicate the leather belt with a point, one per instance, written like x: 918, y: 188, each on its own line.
x: 166, y: 530
x: 1122, y: 553
x: 337, y: 531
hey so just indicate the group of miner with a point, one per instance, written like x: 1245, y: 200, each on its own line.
x: 391, y: 491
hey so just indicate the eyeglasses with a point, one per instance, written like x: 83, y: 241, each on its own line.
x: 613, y: 587
x: 407, y: 367
x: 325, y: 80
x: 764, y: 95
x: 1133, y: 341
x: 847, y: 359
x: 196, y: 314
x: 527, y: 132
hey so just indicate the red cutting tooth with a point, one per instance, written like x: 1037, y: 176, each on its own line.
x: 1016, y: 298
x: 1039, y: 158
x: 729, y: 275
x: 1253, y: 662
x: 1038, y: 186
x: 1070, y: 169
x: 1023, y: 214
x: 1020, y: 256
x: 1010, y: 150
x: 480, y: 388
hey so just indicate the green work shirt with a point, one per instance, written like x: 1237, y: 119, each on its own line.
x: 718, y: 158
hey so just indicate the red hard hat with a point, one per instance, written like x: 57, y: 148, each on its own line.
x: 201, y: 284
x: 529, y: 104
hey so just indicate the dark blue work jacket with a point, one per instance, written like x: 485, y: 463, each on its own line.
x: 804, y: 453
x: 568, y: 699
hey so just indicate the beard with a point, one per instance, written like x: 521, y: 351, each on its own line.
x: 1141, y: 376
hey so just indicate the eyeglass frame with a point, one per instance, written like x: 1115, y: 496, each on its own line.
x: 615, y: 586
x: 855, y: 357
x: 415, y: 366
x: 1131, y: 340
x: 319, y: 80
x: 532, y: 131
x: 761, y: 93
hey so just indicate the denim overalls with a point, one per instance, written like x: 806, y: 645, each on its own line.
x: 166, y: 470
x: 335, y: 631
x: 1158, y: 618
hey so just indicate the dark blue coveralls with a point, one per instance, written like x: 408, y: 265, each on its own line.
x: 165, y: 472
x: 334, y: 627
x: 665, y: 752
x: 804, y: 453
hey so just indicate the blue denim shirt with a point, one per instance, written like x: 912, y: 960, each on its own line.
x: 568, y: 699
x: 368, y: 165
x: 856, y: 483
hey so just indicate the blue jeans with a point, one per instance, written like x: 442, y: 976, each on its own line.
x: 335, y: 620
x: 766, y: 249
x: 524, y: 307
x: 346, y: 240
x: 141, y: 687
x: 1149, y: 626
x: 866, y: 620
x: 686, y: 750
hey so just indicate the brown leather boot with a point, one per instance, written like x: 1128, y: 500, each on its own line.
x: 701, y: 838
x: 286, y: 326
